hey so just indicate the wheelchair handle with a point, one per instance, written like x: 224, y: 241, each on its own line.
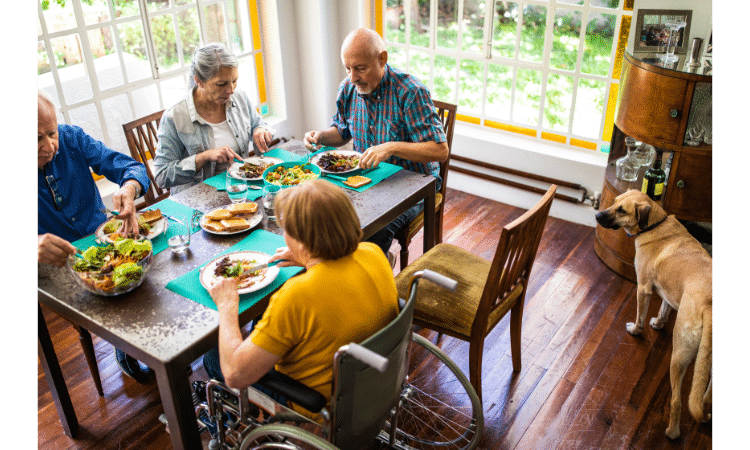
x: 440, y: 279
x: 372, y: 359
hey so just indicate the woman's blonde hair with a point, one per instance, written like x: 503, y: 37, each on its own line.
x: 321, y: 217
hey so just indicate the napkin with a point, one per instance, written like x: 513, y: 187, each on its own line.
x: 189, y: 285
x: 383, y: 171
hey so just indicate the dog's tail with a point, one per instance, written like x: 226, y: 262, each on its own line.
x: 702, y: 374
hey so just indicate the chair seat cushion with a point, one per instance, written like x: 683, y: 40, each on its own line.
x: 452, y: 311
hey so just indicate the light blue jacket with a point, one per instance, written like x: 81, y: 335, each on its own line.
x: 183, y: 134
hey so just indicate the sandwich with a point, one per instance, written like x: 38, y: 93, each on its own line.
x: 243, y: 208
x: 235, y: 224
x: 219, y: 214
x: 356, y: 181
x: 150, y: 216
x: 213, y: 225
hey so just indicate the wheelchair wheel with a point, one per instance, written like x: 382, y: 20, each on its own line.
x: 439, y: 407
x: 283, y: 436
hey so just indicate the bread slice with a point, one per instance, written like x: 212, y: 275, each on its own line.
x: 213, y: 225
x: 243, y: 208
x: 219, y: 214
x: 151, y: 216
x: 235, y: 224
x: 357, y: 181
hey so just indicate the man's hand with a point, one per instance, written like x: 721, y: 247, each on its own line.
x: 53, y: 249
x: 123, y: 202
x: 224, y: 293
x: 261, y: 138
x: 376, y: 155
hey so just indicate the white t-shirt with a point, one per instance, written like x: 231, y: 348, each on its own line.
x: 223, y: 136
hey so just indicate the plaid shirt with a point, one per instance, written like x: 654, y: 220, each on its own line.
x: 398, y: 110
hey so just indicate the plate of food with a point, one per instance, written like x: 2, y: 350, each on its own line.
x: 151, y: 223
x: 290, y: 173
x: 232, y: 219
x: 116, y: 266
x: 253, y: 167
x: 232, y: 265
x: 337, y: 161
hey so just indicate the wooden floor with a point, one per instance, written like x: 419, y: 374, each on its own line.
x: 585, y: 382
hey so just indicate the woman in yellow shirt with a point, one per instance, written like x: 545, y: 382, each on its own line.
x: 346, y: 294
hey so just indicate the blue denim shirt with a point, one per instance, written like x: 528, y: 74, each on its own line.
x: 78, y: 210
x: 183, y: 134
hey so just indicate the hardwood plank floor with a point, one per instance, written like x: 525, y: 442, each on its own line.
x: 585, y: 382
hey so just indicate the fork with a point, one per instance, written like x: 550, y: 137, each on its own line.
x: 106, y: 210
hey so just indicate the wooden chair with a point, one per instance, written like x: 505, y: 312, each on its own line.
x: 486, y: 291
x: 447, y: 113
x: 141, y: 137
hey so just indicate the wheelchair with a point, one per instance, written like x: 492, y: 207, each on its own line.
x: 387, y: 391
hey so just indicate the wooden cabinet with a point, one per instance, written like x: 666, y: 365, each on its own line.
x: 656, y: 105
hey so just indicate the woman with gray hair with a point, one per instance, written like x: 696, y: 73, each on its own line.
x: 201, y: 135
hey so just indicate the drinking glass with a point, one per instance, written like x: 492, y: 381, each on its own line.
x: 236, y: 189
x: 178, y: 233
x: 270, y: 191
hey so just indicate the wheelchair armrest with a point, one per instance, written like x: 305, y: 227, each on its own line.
x: 294, y: 391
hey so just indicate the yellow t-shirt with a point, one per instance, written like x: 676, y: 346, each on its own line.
x: 332, y: 304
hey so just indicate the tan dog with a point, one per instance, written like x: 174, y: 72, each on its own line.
x: 670, y: 260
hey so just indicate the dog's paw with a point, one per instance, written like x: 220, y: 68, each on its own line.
x: 656, y: 324
x: 633, y: 328
x: 673, y: 434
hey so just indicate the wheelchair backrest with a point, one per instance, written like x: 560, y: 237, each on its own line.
x: 362, y: 396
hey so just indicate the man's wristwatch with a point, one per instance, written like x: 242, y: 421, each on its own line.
x: 137, y: 187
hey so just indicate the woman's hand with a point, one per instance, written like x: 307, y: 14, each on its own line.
x: 219, y: 155
x: 224, y: 293
x: 123, y: 201
x: 312, y: 138
x: 53, y: 249
x: 261, y: 138
x: 285, y: 254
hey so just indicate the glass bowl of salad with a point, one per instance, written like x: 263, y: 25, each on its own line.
x: 291, y: 173
x: 115, y: 265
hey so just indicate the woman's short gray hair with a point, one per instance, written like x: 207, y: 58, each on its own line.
x: 208, y: 60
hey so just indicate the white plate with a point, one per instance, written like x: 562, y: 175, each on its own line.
x: 208, y: 279
x: 254, y: 219
x: 158, y: 227
x: 316, y: 158
x: 234, y: 169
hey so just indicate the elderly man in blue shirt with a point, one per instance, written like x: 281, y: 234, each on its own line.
x: 390, y: 117
x: 70, y: 206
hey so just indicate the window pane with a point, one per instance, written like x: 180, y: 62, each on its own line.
x: 499, y: 88
x: 75, y: 81
x: 420, y: 24
x: 557, y: 102
x: 566, y: 36
x: 95, y: 12
x: 127, y: 9
x: 117, y: 112
x: 589, y: 108
x: 447, y: 26
x: 162, y: 30
x: 612, y: 4
x: 504, y: 33
x: 173, y: 90
x: 146, y: 100
x: 600, y: 35
x: 240, y: 36
x: 156, y: 5
x: 571, y: 2
x: 58, y: 18
x: 395, y: 21
x: 106, y: 62
x: 472, y: 38
x: 187, y: 21
x: 445, y: 78
x: 214, y: 17
x: 471, y: 85
x: 42, y: 60
x: 419, y: 66
x: 137, y: 65
x: 397, y: 57
x: 528, y: 96
x: 87, y: 118
x: 532, y: 33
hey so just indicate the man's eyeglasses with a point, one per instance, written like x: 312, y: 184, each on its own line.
x: 52, y: 185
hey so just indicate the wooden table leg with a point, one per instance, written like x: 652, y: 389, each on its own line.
x: 84, y: 337
x: 429, y: 221
x: 55, y: 380
x: 174, y: 389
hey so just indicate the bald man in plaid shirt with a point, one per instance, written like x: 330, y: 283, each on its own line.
x: 390, y: 117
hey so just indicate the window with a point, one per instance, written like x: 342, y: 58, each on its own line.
x: 546, y: 69
x: 108, y: 62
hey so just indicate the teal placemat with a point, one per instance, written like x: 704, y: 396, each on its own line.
x: 219, y: 181
x: 189, y: 285
x: 383, y: 171
x: 168, y: 207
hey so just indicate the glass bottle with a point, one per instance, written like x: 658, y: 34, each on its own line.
x: 643, y: 153
x: 626, y: 168
x: 653, y: 180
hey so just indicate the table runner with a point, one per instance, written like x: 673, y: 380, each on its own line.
x: 189, y: 285
x: 159, y: 243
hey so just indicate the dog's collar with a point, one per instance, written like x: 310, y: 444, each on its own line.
x: 648, y: 228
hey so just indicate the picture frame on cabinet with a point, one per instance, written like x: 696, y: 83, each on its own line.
x: 652, y: 35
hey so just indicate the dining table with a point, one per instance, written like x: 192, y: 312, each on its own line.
x: 166, y: 330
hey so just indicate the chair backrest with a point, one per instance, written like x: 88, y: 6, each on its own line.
x: 514, y: 257
x: 142, y: 140
x: 362, y: 396
x: 447, y: 113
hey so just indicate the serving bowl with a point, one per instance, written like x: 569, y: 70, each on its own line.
x: 312, y: 168
x: 117, y: 264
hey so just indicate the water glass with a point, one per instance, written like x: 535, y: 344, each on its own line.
x: 178, y: 233
x: 270, y: 191
x: 236, y: 189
